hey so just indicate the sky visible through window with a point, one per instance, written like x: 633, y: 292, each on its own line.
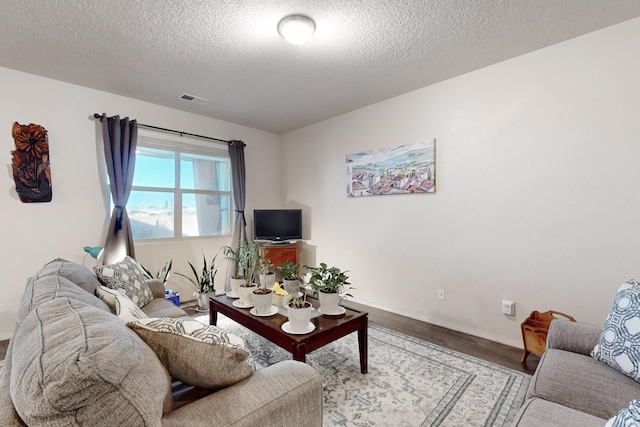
x: 152, y: 212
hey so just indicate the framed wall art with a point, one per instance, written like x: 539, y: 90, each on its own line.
x: 405, y: 169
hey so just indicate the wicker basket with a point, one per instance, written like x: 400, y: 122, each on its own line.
x: 535, y: 329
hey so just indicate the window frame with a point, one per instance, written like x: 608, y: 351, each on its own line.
x: 181, y: 144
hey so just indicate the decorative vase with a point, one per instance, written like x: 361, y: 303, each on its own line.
x: 292, y: 287
x: 299, y: 318
x: 329, y: 302
x: 235, y: 285
x: 245, y: 294
x: 267, y: 280
x: 262, y: 301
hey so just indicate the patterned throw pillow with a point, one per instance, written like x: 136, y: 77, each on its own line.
x: 619, y: 344
x: 627, y: 417
x: 120, y: 304
x: 199, y: 355
x: 127, y: 276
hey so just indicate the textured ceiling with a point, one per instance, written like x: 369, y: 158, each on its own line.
x: 229, y: 51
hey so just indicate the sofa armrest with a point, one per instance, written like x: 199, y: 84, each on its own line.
x: 157, y: 287
x: 572, y: 336
x: 286, y: 394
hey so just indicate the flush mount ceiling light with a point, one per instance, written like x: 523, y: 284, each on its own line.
x: 296, y: 29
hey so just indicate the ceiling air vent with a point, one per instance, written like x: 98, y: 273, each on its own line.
x: 193, y: 98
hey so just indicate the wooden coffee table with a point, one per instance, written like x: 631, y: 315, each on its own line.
x: 327, y: 328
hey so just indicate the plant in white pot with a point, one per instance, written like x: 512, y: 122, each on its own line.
x: 290, y: 277
x: 204, y: 281
x: 249, y: 255
x: 331, y: 286
x: 266, y: 269
x: 262, y: 297
x: 237, y: 278
x: 299, y: 312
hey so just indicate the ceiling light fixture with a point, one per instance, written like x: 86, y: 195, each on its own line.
x: 296, y: 29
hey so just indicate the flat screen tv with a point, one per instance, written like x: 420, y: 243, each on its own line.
x: 277, y: 224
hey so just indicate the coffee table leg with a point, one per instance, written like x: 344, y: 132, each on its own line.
x: 299, y: 353
x: 213, y: 316
x: 362, y: 344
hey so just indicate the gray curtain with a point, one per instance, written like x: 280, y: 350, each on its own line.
x: 238, y: 180
x: 120, y: 140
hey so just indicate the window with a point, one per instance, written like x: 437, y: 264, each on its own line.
x: 181, y: 188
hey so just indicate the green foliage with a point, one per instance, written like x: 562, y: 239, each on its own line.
x: 246, y: 258
x: 162, y: 274
x: 289, y: 271
x: 299, y: 301
x: 329, y: 279
x: 206, y: 279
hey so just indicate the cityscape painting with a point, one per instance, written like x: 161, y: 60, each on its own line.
x: 405, y: 169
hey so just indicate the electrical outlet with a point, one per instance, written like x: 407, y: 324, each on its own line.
x: 440, y: 293
x: 508, y: 307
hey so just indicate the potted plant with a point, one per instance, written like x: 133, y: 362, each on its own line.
x: 162, y: 274
x: 237, y: 278
x: 248, y: 257
x: 266, y: 269
x: 204, y: 282
x: 290, y: 277
x: 330, y: 284
x: 299, y: 313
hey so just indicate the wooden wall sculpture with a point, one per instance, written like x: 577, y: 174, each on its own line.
x: 31, y: 171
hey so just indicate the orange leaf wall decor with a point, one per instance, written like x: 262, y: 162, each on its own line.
x: 31, y: 171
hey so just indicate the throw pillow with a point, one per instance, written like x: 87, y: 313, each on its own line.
x: 199, y: 355
x: 127, y: 276
x: 120, y: 304
x: 629, y: 416
x: 619, y: 343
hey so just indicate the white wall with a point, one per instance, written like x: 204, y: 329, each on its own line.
x: 33, y: 234
x: 538, y: 171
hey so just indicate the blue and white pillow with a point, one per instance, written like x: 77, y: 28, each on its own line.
x: 627, y: 417
x: 619, y: 344
x: 126, y: 275
x: 120, y: 304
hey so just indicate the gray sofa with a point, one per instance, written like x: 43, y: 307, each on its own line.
x: 570, y: 388
x: 70, y: 361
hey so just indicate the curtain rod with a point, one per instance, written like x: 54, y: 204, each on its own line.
x: 98, y: 116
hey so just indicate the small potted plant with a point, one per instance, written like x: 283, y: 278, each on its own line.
x: 204, y: 282
x: 331, y: 286
x: 249, y: 257
x: 266, y: 269
x: 299, y: 312
x: 237, y: 278
x: 290, y: 277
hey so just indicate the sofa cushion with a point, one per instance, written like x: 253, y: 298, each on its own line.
x: 619, y: 344
x: 76, y: 273
x: 582, y: 383
x: 44, y: 288
x: 203, y: 356
x: 541, y: 413
x: 127, y: 276
x: 74, y: 364
x: 162, y: 307
x: 120, y: 304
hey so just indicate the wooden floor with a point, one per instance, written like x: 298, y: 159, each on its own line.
x: 478, y: 347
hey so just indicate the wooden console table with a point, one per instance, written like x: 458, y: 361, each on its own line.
x: 278, y: 254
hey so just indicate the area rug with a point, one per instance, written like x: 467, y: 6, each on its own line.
x: 410, y: 382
